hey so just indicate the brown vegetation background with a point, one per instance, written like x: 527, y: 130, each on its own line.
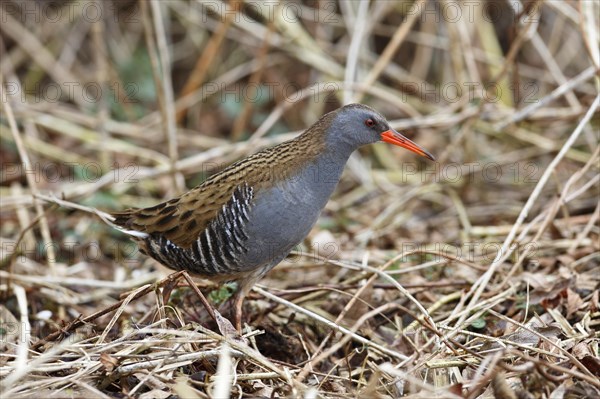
x: 474, y: 276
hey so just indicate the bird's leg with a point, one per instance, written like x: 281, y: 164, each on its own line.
x: 243, y: 289
x: 237, y: 309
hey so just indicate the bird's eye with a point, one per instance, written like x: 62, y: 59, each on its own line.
x: 369, y: 122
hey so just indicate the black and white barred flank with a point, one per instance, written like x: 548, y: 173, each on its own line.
x: 218, y: 248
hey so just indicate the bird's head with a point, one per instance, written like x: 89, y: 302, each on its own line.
x: 357, y: 125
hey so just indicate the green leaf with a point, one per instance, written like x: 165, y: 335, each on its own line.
x: 223, y: 293
x: 478, y: 324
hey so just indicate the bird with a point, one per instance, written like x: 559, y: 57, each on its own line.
x: 244, y: 220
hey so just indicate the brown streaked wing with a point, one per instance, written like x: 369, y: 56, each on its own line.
x: 180, y: 220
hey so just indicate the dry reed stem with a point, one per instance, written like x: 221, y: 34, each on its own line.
x: 24, y: 157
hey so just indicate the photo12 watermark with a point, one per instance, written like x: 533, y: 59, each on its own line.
x: 87, y: 93
x: 69, y: 172
x: 67, y: 12
x: 525, y: 172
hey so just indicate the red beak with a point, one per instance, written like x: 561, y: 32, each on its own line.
x: 393, y: 137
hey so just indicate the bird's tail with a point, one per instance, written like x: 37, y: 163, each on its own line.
x: 115, y: 221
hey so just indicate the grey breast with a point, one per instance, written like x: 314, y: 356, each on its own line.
x: 283, y: 215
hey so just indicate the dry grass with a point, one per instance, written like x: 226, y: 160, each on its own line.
x: 476, y: 276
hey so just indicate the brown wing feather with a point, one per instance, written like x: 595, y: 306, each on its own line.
x: 180, y: 220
